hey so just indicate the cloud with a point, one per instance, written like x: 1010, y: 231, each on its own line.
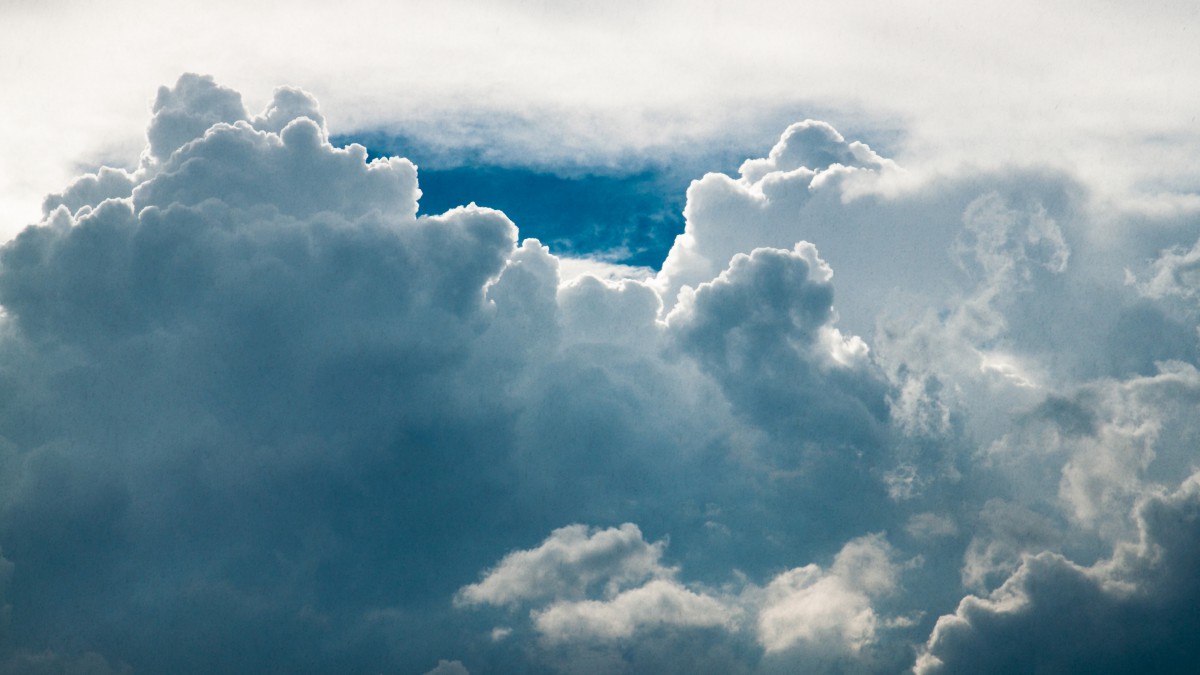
x: 445, y: 667
x: 656, y: 603
x: 223, y: 370
x: 589, y: 585
x: 605, y: 586
x: 763, y: 328
x: 812, y: 145
x: 187, y: 110
x: 931, y: 525
x: 91, y: 189
x: 828, y: 610
x: 291, y: 421
x: 776, y: 202
x: 571, y: 560
x: 1173, y: 275
x: 1101, y: 448
x: 1126, y: 614
x: 708, y: 90
x: 296, y: 171
x: 1006, y: 533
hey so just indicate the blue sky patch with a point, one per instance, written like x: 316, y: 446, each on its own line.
x: 630, y: 218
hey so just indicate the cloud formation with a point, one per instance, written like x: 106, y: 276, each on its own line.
x: 255, y: 404
x: 567, y: 564
x: 1128, y: 613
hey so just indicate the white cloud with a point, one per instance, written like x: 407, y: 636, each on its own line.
x: 931, y: 525
x: 821, y: 611
x: 974, y: 352
x: 184, y: 112
x: 1103, y: 447
x: 571, y: 561
x: 601, y: 311
x: 1007, y: 532
x: 445, y: 667
x: 916, y: 68
x: 660, y: 602
x: 1175, y: 273
x: 828, y: 610
x: 776, y: 202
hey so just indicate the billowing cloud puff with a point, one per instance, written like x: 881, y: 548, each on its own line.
x: 1103, y: 447
x: 828, y: 610
x: 608, y: 585
x: 815, y: 146
x: 776, y: 202
x: 296, y: 171
x: 1174, y: 274
x: 763, y: 328
x: 184, y: 112
x: 657, y: 603
x: 91, y: 189
x: 259, y: 311
x: 570, y: 561
x: 1127, y: 614
x: 597, y: 586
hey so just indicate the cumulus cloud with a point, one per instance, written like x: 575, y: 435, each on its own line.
x: 591, y: 584
x: 763, y: 328
x: 1006, y: 532
x: 91, y: 189
x: 1125, y: 614
x: 445, y: 667
x: 184, y: 112
x: 571, y: 560
x: 1101, y: 448
x: 627, y: 593
x: 1172, y: 276
x: 775, y: 202
x: 828, y: 610
x: 290, y: 424
x: 260, y: 310
x: 656, y: 603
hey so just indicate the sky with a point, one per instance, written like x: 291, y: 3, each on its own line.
x: 657, y: 337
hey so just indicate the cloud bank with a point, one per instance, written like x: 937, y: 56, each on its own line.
x: 260, y: 415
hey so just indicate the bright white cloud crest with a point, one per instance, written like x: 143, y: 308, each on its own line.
x: 567, y: 563
x: 293, y: 423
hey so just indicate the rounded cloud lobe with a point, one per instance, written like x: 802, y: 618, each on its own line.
x: 1125, y: 614
x: 256, y: 408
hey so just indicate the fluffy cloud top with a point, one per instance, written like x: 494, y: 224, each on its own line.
x: 606, y: 585
x: 829, y: 610
x: 569, y: 562
x: 656, y: 603
x: 775, y: 201
x: 763, y: 328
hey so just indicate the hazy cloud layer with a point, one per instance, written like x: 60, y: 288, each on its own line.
x: 257, y: 406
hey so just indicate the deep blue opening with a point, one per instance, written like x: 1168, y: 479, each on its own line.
x: 630, y: 218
